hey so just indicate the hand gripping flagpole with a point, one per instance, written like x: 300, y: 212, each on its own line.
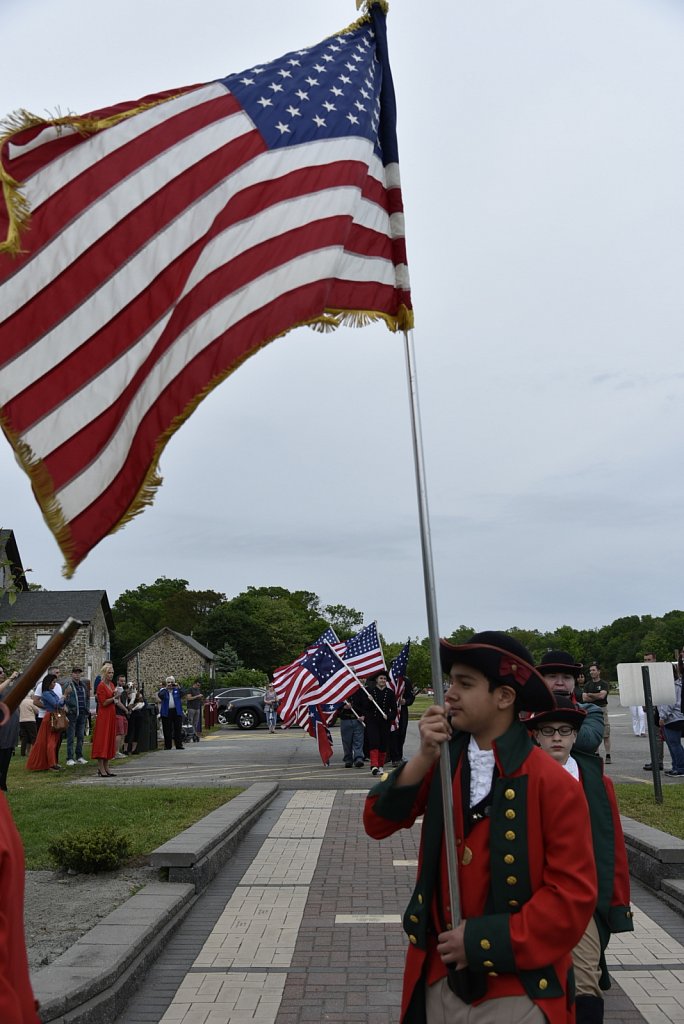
x: 461, y: 978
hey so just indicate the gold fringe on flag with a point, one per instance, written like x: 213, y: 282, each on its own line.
x: 16, y: 204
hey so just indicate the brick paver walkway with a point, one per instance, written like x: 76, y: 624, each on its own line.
x: 303, y: 925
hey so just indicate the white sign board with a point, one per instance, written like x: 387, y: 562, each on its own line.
x: 631, y: 682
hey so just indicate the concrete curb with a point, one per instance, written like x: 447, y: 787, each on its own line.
x: 654, y: 856
x: 91, y: 982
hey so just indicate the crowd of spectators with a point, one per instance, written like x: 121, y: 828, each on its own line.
x: 61, y: 711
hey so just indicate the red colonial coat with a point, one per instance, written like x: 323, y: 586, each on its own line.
x: 526, y: 873
x: 17, y: 1005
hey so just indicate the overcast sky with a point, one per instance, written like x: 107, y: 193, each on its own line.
x: 542, y: 159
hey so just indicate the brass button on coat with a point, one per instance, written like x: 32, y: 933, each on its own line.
x: 510, y: 813
x: 485, y: 944
x: 510, y: 835
x: 510, y: 794
x: 414, y: 919
x: 543, y: 984
x: 413, y: 939
x: 487, y: 963
x: 511, y: 880
x: 509, y: 859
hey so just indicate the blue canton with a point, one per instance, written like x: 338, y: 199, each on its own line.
x: 363, y: 642
x: 398, y: 667
x: 323, y: 663
x: 329, y: 91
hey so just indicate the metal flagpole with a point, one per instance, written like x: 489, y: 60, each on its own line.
x: 431, y: 603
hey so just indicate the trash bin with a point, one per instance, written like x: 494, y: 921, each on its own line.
x: 147, y: 733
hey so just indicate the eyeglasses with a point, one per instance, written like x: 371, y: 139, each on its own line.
x: 551, y: 730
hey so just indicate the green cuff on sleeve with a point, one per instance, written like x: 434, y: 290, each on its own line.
x: 620, y: 919
x: 488, y: 943
x: 391, y: 801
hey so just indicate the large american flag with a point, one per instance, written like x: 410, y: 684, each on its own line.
x: 363, y: 652
x: 169, y: 239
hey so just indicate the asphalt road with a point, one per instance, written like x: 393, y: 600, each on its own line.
x: 232, y: 757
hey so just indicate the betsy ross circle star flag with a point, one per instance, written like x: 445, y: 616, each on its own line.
x: 147, y: 249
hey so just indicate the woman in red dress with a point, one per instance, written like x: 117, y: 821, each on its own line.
x: 104, y: 736
x: 44, y: 751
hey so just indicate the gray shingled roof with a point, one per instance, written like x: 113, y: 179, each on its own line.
x: 54, y: 606
x: 189, y: 640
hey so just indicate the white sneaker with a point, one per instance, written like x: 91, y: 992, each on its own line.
x: 70, y: 763
x: 81, y: 760
x: 120, y: 755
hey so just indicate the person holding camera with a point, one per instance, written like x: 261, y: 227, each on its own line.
x: 171, y: 711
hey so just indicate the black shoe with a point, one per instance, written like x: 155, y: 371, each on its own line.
x: 358, y: 764
x: 180, y: 748
x: 347, y: 764
x: 649, y: 767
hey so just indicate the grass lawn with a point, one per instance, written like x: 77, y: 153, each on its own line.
x: 419, y: 705
x: 44, y: 806
x: 638, y: 802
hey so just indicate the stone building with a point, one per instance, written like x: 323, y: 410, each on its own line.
x: 167, y: 653
x: 28, y: 623
x: 28, y: 618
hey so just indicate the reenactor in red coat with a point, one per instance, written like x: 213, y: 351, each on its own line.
x: 556, y: 732
x: 523, y: 842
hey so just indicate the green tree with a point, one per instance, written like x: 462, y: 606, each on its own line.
x: 140, y: 613
x: 345, y: 621
x: 227, y: 660
x: 243, y: 677
x: 267, y: 626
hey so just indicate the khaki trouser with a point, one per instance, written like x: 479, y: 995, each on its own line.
x: 443, y: 1007
x: 585, y: 959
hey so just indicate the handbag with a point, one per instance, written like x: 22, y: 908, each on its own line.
x: 58, y: 720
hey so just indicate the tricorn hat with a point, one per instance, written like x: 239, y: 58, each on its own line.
x: 559, y: 661
x: 504, y: 661
x: 565, y: 711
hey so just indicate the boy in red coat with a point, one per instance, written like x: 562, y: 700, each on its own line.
x: 523, y: 842
x: 556, y: 732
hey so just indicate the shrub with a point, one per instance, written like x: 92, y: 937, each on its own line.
x: 91, y: 850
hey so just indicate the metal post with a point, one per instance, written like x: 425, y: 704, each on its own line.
x: 648, y: 703
x: 433, y: 630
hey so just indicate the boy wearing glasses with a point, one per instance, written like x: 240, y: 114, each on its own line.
x: 556, y: 732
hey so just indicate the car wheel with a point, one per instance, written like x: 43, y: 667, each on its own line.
x: 222, y: 717
x: 246, y: 719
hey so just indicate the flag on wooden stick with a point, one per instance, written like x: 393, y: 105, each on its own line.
x: 149, y: 248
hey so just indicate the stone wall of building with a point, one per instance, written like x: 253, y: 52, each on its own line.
x: 89, y: 648
x: 164, y: 656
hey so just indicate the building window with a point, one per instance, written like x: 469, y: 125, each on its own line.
x: 41, y: 640
x: 3, y: 638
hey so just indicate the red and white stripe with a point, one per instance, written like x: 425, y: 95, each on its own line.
x: 162, y: 251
